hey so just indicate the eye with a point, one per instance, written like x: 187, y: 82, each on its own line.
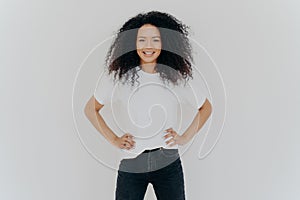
x: 156, y: 40
x: 141, y: 40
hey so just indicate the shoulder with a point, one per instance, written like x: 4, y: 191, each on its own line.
x: 106, y: 77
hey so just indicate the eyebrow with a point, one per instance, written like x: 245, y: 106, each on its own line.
x: 152, y: 37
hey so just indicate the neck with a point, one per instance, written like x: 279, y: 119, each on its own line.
x: 148, y: 67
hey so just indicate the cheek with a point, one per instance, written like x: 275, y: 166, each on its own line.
x: 139, y: 52
x: 137, y: 46
x: 158, y: 52
x: 157, y: 46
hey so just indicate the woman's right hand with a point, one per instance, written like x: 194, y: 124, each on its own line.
x: 125, y: 142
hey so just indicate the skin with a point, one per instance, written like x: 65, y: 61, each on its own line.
x: 148, y: 39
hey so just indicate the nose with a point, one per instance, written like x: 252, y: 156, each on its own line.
x: 148, y: 44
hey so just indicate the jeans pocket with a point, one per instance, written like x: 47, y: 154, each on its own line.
x: 170, y: 153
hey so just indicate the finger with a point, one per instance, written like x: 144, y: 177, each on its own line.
x: 125, y: 145
x: 126, y: 135
x: 168, y: 135
x: 175, y: 138
x: 129, y: 136
x: 169, y: 129
x: 129, y: 146
x: 131, y: 142
x: 173, y: 132
x: 170, y: 141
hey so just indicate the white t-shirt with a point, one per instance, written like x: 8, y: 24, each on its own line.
x: 147, y: 109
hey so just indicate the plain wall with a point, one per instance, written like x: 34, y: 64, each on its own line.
x: 255, y: 45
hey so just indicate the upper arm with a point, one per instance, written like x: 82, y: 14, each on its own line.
x: 93, y: 104
x: 206, y: 105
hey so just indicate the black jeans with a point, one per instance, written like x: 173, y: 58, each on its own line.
x: 161, y: 168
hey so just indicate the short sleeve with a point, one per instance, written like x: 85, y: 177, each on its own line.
x: 193, y: 94
x: 104, y: 88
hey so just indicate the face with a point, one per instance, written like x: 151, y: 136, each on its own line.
x: 148, y: 44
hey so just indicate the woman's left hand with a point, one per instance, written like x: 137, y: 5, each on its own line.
x: 175, y: 138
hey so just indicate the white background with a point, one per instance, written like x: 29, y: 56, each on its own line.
x: 255, y: 44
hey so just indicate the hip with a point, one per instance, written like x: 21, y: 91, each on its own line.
x: 150, y: 160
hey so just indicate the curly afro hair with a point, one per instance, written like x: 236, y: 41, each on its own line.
x: 174, y: 61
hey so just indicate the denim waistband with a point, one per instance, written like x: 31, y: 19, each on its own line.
x: 151, y: 150
x: 148, y: 161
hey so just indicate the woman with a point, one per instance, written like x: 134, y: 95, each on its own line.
x: 149, y: 48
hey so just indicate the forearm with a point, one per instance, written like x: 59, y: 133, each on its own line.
x: 198, y: 121
x: 98, y: 122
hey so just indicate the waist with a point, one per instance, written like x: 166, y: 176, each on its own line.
x: 151, y: 150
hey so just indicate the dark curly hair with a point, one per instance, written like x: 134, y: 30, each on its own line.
x: 174, y: 61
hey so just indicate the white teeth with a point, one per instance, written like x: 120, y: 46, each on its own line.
x: 148, y: 52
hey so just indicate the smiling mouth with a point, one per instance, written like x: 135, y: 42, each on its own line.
x: 148, y: 53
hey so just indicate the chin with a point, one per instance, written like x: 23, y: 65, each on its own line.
x: 148, y: 60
